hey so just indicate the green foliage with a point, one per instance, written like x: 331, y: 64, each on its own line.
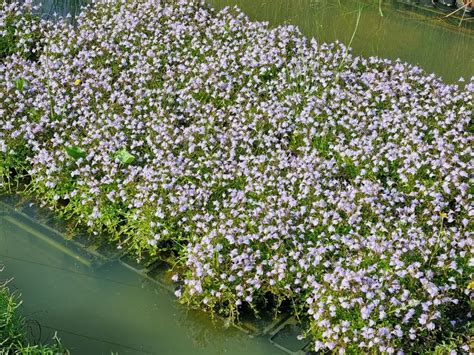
x: 8, y: 40
x: 13, y: 166
x: 20, y: 32
x: 11, y: 326
x: 13, y: 338
x: 75, y: 152
x: 20, y: 84
x: 125, y: 157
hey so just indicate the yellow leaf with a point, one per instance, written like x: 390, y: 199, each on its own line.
x: 77, y: 82
x: 471, y: 285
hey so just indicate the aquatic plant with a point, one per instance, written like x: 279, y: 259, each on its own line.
x: 20, y: 31
x: 263, y: 164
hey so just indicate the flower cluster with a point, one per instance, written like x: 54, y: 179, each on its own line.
x: 20, y: 31
x: 269, y: 164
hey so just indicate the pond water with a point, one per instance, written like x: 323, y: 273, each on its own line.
x: 413, y: 30
x: 99, y: 309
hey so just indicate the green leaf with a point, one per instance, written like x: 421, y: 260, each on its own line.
x: 76, y: 152
x: 125, y: 157
x: 20, y: 84
x: 33, y: 114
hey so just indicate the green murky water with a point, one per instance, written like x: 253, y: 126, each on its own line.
x: 102, y: 308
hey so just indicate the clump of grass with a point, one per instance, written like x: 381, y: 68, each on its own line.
x: 13, y: 337
x: 11, y: 325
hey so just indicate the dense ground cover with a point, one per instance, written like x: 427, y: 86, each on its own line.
x: 268, y: 166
